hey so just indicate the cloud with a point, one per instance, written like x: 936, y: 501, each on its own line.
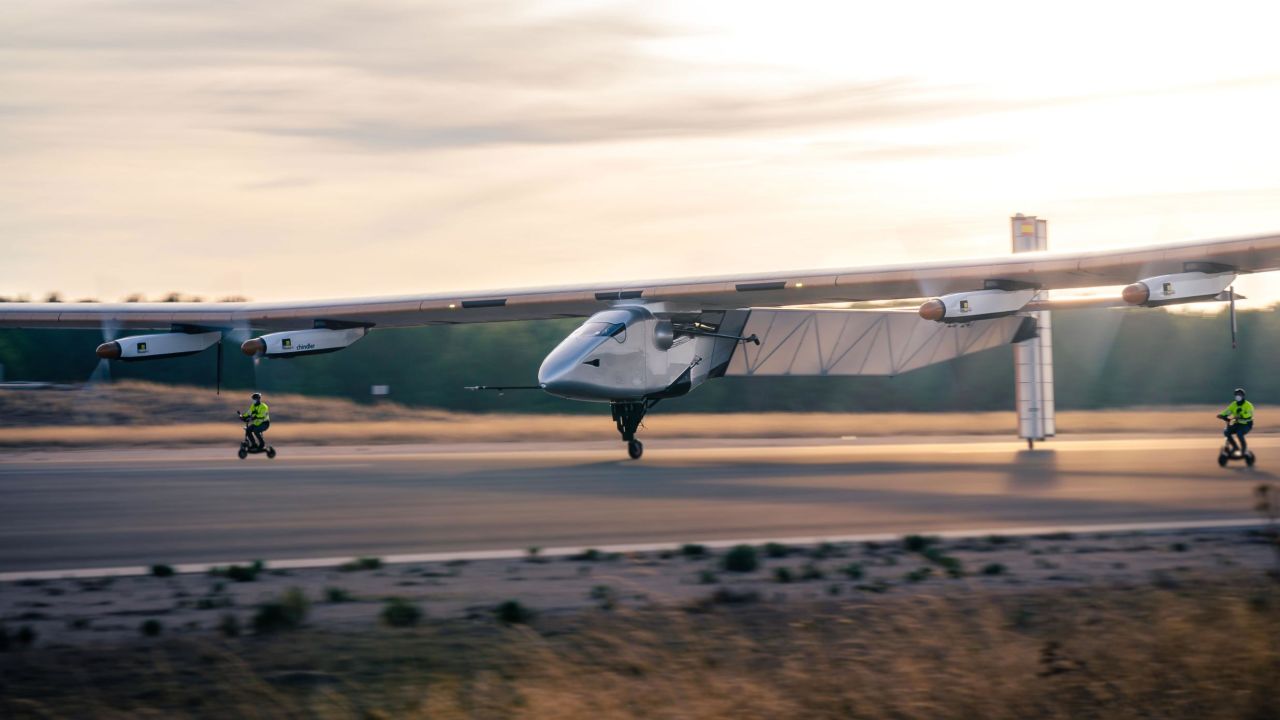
x: 470, y: 41
x: 398, y: 76
x: 656, y: 117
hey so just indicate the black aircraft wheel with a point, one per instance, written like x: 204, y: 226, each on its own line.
x: 271, y: 452
x: 243, y: 453
x: 635, y: 449
x: 1249, y: 459
x: 1222, y: 459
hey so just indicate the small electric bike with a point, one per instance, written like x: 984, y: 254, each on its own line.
x: 249, y: 447
x: 1228, y: 453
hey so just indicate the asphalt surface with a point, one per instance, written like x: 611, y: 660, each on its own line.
x: 87, y: 509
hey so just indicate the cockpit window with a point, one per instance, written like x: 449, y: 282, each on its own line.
x: 617, y: 331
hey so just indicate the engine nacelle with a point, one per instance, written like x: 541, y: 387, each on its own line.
x: 154, y: 347
x: 293, y: 343
x: 976, y: 305
x: 1177, y: 288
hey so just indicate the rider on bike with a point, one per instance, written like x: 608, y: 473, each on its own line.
x: 260, y: 420
x: 1241, y: 411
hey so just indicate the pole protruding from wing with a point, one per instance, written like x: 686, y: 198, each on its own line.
x: 1231, y: 298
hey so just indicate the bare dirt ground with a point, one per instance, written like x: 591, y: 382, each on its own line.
x: 133, y: 413
x: 1180, y: 625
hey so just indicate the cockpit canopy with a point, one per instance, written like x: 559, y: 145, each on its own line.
x: 597, y: 328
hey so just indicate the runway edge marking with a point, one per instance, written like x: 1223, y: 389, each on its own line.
x: 330, y: 562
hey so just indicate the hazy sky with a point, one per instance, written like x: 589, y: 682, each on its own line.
x: 316, y: 149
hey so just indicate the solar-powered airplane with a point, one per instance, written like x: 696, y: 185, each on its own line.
x: 643, y: 342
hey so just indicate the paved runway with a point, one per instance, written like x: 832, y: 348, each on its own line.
x: 82, y: 509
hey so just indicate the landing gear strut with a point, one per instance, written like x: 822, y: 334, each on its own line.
x: 628, y: 416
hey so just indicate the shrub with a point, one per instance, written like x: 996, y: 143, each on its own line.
x: 162, y: 571
x: 782, y: 575
x: 286, y: 613
x: 729, y: 596
x: 1178, y: 547
x: 825, y: 550
x: 994, y: 569
x: 776, y: 550
x: 399, y: 612
x: 229, y: 625
x: 534, y: 555
x: 511, y: 612
x: 594, y: 555
x: 693, y: 550
x: 953, y: 567
x: 362, y: 563
x: 707, y: 577
x: 337, y: 595
x: 742, y: 558
x: 811, y: 572
x: 239, y: 573
x: 25, y: 637
x: 606, y: 596
x: 152, y: 628
x: 918, y: 574
x: 853, y: 571
x: 214, y: 602
x: 918, y: 543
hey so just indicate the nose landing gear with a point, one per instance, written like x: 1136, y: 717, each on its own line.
x: 628, y: 416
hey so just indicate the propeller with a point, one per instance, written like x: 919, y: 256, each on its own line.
x: 102, y: 371
x: 236, y: 334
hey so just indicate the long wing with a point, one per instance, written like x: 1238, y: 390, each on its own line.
x: 776, y: 289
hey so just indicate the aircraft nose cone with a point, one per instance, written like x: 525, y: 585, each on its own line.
x: 109, y: 350
x: 552, y: 376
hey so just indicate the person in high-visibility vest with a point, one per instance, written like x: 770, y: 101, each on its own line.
x: 259, y: 418
x: 1241, y: 411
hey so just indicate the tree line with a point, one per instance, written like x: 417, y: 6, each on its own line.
x: 1102, y: 358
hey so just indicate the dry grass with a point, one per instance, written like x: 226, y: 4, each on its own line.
x: 1206, y: 649
x: 111, y: 415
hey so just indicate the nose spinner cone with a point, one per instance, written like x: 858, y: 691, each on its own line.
x: 933, y: 309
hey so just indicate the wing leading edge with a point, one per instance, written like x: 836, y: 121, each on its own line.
x: 1052, y: 270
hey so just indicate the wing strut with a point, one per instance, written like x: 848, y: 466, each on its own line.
x: 1231, y: 296
x: 217, y: 373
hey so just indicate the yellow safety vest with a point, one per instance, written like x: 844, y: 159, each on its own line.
x: 1242, y: 412
x: 258, y: 413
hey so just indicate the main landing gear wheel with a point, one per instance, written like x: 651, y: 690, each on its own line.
x: 628, y: 416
